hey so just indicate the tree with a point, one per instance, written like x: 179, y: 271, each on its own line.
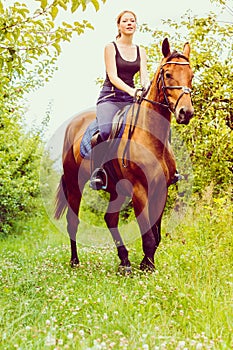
x: 30, y: 42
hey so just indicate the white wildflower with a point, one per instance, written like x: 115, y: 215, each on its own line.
x: 50, y: 340
x: 181, y: 344
x: 81, y: 332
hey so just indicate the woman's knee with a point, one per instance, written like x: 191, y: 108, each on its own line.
x: 105, y: 131
x: 104, y: 115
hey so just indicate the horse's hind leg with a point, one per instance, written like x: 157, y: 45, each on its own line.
x: 112, y: 218
x: 72, y: 227
x: 74, y: 199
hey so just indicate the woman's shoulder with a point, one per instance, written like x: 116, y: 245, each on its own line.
x: 110, y: 45
x: 110, y: 48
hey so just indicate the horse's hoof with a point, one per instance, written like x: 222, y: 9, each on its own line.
x: 124, y: 270
x: 74, y: 263
x: 146, y: 268
x: 147, y: 265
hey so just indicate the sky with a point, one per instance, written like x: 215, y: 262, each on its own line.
x: 73, y: 87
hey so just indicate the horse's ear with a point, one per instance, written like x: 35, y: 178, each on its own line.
x: 166, y: 48
x: 186, y: 50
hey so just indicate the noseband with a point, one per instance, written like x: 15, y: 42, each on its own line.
x: 185, y: 89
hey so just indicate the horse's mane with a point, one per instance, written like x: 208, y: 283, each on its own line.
x: 176, y: 54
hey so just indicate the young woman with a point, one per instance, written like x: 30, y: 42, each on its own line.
x: 123, y: 59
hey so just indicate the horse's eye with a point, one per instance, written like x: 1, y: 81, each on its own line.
x: 168, y: 75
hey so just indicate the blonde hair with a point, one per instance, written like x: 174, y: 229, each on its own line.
x: 119, y: 19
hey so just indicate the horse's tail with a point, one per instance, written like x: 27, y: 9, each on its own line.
x: 61, y: 199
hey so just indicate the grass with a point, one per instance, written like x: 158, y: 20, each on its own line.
x: 185, y: 304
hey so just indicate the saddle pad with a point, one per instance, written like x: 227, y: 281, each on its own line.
x: 85, y: 146
x: 118, y: 125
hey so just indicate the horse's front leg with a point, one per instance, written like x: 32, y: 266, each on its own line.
x: 112, y: 218
x: 150, y: 246
x: 148, y: 238
x: 150, y: 228
x: 156, y: 228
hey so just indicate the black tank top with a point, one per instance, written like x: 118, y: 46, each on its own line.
x: 125, y: 69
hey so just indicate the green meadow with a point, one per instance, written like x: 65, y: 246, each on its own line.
x: 185, y: 304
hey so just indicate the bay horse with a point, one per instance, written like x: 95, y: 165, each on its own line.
x: 143, y: 161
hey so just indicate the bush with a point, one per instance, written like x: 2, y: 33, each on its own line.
x: 20, y: 158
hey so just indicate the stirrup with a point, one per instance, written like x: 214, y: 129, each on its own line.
x: 99, y: 179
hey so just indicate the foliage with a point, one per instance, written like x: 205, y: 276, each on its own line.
x: 186, y: 303
x: 209, y: 135
x: 30, y: 42
x: 20, y: 159
x: 222, y: 2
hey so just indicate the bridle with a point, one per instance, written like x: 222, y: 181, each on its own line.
x: 185, y: 89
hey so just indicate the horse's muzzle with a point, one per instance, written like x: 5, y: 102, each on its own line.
x: 184, y: 114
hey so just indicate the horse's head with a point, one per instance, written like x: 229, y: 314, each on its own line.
x: 175, y: 80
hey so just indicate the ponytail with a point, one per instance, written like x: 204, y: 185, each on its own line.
x: 119, y: 34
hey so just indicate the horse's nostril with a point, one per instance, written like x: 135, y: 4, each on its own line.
x: 182, y: 111
x: 184, y: 115
x: 186, y: 112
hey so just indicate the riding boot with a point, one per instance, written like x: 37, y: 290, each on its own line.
x: 177, y: 177
x: 99, y: 177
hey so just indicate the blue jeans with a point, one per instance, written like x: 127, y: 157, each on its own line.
x: 109, y: 102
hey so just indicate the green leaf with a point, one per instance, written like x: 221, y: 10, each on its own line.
x: 75, y: 5
x: 57, y: 47
x: 67, y: 25
x: 54, y: 12
x: 23, y: 12
x: 84, y: 5
x: 89, y: 25
x: 96, y: 4
x: 62, y: 4
x: 43, y: 3
x: 1, y: 7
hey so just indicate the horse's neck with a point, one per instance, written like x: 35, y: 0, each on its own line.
x: 156, y: 94
x: 155, y: 117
